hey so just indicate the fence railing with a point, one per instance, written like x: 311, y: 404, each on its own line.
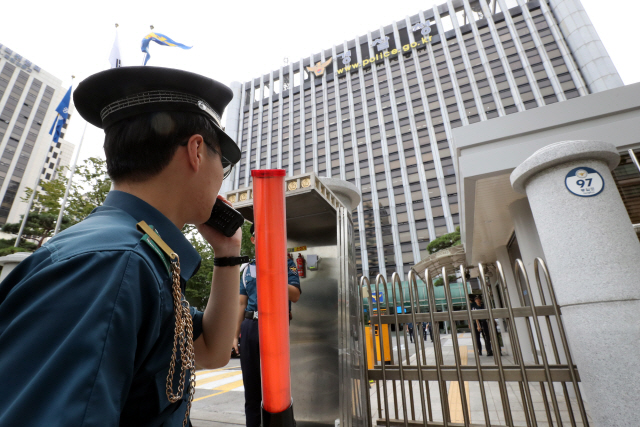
x: 529, y: 380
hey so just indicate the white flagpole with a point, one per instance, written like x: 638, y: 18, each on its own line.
x: 66, y: 192
x: 35, y: 189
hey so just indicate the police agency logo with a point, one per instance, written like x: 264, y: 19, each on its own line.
x: 584, y: 182
x: 320, y: 67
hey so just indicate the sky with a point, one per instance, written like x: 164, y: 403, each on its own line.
x: 232, y: 40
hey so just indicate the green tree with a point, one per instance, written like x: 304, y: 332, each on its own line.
x: 247, y: 248
x: 39, y: 226
x: 7, y: 248
x: 50, y: 196
x: 445, y: 241
x: 199, y: 286
x: 88, y: 190
x: 90, y: 187
x: 440, y: 281
x: 44, y: 212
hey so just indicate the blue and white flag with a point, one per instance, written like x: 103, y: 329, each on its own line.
x: 61, y: 118
x: 162, y: 40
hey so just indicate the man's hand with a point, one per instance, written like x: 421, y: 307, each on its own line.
x: 218, y: 322
x: 222, y: 245
x: 235, y: 345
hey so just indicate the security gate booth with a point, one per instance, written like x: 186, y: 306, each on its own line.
x: 327, y: 336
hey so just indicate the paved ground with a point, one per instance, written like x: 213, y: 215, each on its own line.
x: 219, y: 398
x: 472, y: 395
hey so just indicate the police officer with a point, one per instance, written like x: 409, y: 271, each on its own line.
x: 410, y: 327
x: 247, y: 329
x: 94, y: 328
x: 482, y: 328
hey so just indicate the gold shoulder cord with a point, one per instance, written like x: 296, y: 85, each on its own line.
x: 183, y: 334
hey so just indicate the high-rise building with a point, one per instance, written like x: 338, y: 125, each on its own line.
x: 28, y: 99
x: 379, y: 110
x: 59, y: 157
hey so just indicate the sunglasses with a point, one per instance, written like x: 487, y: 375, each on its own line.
x: 227, y: 166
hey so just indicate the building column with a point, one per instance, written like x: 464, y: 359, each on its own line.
x: 530, y: 249
x: 592, y: 58
x: 592, y: 253
x: 528, y: 239
x: 232, y: 127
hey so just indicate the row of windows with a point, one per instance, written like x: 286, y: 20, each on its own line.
x: 501, y: 27
x: 442, y: 103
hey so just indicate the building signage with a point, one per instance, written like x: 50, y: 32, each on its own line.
x: 319, y: 68
x: 381, y: 43
x: 17, y: 59
x: 584, y: 182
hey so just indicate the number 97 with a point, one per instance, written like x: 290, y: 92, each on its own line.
x: 581, y: 182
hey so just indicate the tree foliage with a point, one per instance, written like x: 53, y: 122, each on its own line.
x: 91, y: 184
x: 7, y: 248
x: 440, y: 281
x: 445, y: 241
x: 88, y: 191
x: 39, y: 226
x: 247, y: 248
x: 199, y: 286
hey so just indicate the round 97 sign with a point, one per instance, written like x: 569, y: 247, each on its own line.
x: 584, y: 182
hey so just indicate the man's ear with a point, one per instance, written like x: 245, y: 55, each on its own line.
x: 195, y: 151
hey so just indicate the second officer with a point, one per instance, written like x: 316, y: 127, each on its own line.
x: 247, y: 329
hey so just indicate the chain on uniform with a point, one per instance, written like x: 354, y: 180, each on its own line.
x: 184, y: 335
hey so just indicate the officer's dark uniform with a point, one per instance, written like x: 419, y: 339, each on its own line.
x: 485, y: 332
x: 87, y: 321
x: 249, y: 341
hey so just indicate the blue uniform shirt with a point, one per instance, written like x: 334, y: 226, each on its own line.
x: 248, y: 283
x: 87, y: 322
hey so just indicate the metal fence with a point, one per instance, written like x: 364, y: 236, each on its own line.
x: 531, y: 379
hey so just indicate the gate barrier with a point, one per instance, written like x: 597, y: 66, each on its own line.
x: 532, y: 387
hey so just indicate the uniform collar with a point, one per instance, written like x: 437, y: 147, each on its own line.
x: 143, y: 211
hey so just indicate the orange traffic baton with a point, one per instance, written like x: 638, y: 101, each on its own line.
x: 273, y: 296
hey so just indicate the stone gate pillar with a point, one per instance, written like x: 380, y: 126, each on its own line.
x: 593, y: 256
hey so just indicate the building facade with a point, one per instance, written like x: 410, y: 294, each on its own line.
x: 379, y: 110
x: 28, y: 99
x: 59, y: 157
